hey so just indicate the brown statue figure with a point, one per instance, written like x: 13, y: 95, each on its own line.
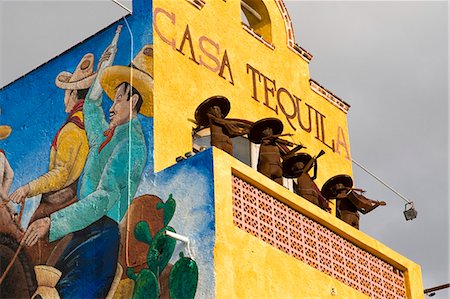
x: 211, y: 113
x: 267, y: 132
x: 298, y: 167
x: 349, y: 201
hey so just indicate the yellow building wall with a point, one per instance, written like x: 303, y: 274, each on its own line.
x: 247, y: 267
x: 188, y: 71
x: 202, y: 52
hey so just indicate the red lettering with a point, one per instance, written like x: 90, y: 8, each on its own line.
x: 299, y: 117
x: 226, y: 64
x: 254, y: 73
x: 289, y: 116
x: 171, y: 17
x: 268, y: 90
x: 216, y: 66
x: 341, y: 141
x: 187, y: 37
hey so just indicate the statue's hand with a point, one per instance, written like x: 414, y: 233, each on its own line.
x: 36, y: 231
x: 235, y: 128
x: 20, y: 194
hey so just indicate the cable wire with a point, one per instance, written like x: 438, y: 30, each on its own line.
x: 127, y: 239
x: 121, y: 5
x: 382, y: 182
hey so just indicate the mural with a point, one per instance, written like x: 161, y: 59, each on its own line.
x: 192, y: 187
x: 81, y: 214
x: 183, y: 276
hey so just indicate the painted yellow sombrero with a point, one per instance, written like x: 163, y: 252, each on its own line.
x: 139, y: 74
x: 4, y: 132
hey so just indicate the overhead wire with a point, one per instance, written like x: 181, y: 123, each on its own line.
x: 121, y: 5
x: 381, y: 181
x: 127, y: 239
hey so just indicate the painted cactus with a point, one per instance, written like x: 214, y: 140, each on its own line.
x: 183, y: 277
x: 146, y: 284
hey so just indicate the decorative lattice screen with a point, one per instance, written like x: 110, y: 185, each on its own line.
x: 279, y: 225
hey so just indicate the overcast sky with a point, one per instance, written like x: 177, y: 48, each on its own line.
x: 388, y: 60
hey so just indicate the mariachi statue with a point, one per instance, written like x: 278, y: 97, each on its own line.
x: 349, y: 201
x: 267, y: 132
x: 211, y: 113
x: 298, y: 167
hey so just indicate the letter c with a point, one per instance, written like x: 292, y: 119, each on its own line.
x: 171, y: 17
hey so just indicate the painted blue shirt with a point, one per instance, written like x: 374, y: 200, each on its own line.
x: 107, y: 186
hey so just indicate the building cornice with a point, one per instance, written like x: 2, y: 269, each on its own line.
x: 335, y: 100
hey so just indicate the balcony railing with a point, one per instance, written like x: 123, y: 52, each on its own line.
x: 286, y: 229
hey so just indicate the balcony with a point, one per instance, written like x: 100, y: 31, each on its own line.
x: 264, y: 219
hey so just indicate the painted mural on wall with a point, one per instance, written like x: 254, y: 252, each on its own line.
x: 181, y: 280
x: 81, y: 214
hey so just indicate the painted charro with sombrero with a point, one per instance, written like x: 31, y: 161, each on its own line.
x: 68, y: 153
x: 267, y: 132
x: 18, y: 282
x: 69, y: 146
x: 108, y: 184
x: 349, y: 200
x: 8, y: 216
x: 6, y: 172
x: 298, y: 166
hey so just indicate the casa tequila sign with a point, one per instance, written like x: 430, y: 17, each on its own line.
x: 206, y: 52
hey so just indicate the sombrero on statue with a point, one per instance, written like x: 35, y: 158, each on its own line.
x: 5, y: 131
x: 201, y: 116
x: 139, y: 74
x: 82, y: 77
x: 329, y: 189
x: 290, y: 170
x: 256, y: 131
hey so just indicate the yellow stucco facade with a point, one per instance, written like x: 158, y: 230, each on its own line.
x: 248, y: 267
x: 202, y: 49
x: 205, y: 52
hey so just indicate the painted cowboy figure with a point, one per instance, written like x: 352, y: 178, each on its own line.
x: 349, y: 201
x: 298, y: 167
x: 68, y: 154
x: 8, y: 215
x: 111, y: 175
x: 211, y: 113
x: 69, y: 147
x: 267, y: 132
x: 6, y: 172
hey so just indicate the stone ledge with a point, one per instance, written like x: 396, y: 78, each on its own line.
x: 322, y: 91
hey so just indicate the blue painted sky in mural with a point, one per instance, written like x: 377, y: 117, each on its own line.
x: 191, y: 182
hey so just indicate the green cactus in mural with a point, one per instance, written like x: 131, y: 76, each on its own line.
x: 169, y: 209
x: 160, y: 251
x: 183, y: 277
x: 146, y: 285
x: 142, y: 232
